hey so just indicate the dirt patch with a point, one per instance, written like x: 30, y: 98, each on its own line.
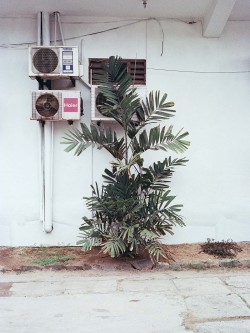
x: 73, y: 258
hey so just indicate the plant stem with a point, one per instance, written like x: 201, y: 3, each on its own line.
x: 126, y: 143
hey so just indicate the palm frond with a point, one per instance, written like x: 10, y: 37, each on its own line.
x: 157, y: 176
x: 155, y: 251
x: 115, y: 82
x: 79, y: 140
x: 127, y: 232
x: 154, y: 109
x: 121, y: 167
x: 148, y: 235
x: 114, y: 247
x: 88, y: 243
x: 121, y: 108
x: 160, y: 139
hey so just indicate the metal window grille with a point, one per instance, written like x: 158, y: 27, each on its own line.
x: 135, y: 67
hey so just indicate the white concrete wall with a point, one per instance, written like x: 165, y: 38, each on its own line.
x: 213, y: 107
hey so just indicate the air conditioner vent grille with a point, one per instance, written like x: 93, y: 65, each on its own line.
x: 45, y: 60
x: 97, y: 99
x: 47, y: 105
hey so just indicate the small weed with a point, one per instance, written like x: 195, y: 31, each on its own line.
x: 221, y: 249
x: 199, y: 265
x: 230, y: 263
x: 53, y: 260
x: 175, y: 266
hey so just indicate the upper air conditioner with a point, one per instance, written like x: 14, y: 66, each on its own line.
x: 96, y: 99
x: 54, y: 61
x: 56, y: 105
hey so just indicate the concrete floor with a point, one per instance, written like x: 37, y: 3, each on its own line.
x: 141, y: 302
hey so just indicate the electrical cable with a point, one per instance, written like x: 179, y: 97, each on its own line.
x: 109, y: 29
x: 17, y: 45
x: 27, y: 44
x: 24, y: 45
x: 100, y: 22
x: 197, y: 72
x: 163, y: 35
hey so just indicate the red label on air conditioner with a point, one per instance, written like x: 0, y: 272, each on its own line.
x: 70, y: 104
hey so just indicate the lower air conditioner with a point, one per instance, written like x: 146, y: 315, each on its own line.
x: 96, y: 99
x: 56, y: 105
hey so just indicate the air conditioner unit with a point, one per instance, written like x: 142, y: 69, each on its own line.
x: 96, y: 97
x: 54, y: 61
x: 56, y: 105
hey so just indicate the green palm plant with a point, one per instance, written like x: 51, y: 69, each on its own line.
x: 133, y: 208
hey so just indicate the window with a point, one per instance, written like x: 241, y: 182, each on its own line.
x: 135, y: 67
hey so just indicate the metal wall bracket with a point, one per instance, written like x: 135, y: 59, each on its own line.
x: 73, y: 81
x: 43, y: 83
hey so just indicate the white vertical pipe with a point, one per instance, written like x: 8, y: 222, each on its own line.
x: 39, y: 29
x: 41, y: 158
x: 41, y: 134
x: 48, y: 146
x: 48, y: 171
x: 60, y: 27
x: 42, y: 181
x: 55, y: 32
x: 46, y: 29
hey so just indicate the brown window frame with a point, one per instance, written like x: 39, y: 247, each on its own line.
x: 138, y: 76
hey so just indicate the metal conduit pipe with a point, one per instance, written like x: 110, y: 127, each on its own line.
x: 39, y: 22
x: 60, y: 27
x: 41, y: 132
x: 55, y: 31
x: 48, y: 173
x: 48, y: 146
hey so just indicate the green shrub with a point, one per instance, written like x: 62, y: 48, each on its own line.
x: 134, y: 206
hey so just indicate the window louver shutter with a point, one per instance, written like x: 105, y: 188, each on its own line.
x: 135, y: 67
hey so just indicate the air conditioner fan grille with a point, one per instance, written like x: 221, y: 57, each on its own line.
x: 45, y: 60
x: 99, y: 101
x: 47, y: 105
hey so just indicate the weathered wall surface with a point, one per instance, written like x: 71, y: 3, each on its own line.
x: 212, y: 103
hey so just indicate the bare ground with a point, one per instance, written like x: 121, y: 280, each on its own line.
x: 185, y: 256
